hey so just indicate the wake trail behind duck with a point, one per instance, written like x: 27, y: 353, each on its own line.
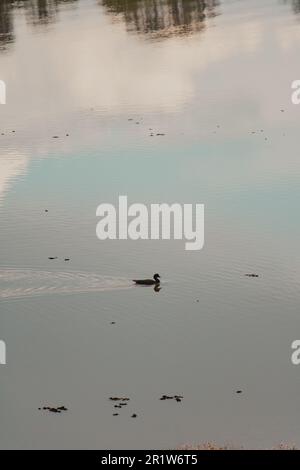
x: 16, y: 283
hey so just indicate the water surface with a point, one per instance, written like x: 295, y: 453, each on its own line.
x: 215, y: 78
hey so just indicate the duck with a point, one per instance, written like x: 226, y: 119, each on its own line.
x: 149, y: 282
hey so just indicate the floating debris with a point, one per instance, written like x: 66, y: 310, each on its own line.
x: 166, y: 397
x: 252, y: 275
x: 54, y: 409
x: 121, y: 401
x: 177, y: 398
x: 239, y: 392
x: 67, y: 259
x: 52, y: 257
x: 134, y: 415
x: 119, y: 398
x: 120, y: 405
x: 55, y: 137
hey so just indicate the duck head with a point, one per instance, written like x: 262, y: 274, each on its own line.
x: 156, y: 278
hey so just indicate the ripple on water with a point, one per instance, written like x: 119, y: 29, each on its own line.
x: 16, y: 283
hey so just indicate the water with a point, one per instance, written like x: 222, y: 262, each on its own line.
x: 215, y: 78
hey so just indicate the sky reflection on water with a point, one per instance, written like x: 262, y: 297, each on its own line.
x: 215, y: 78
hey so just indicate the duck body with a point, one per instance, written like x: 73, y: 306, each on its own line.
x: 148, y: 282
x: 145, y: 282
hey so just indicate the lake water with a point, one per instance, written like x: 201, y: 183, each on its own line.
x: 215, y: 78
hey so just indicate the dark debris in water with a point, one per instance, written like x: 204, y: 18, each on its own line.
x: 252, y: 275
x: 120, y: 403
x: 119, y: 398
x: 177, y: 398
x: 54, y: 409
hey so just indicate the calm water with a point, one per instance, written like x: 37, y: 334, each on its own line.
x: 214, y: 77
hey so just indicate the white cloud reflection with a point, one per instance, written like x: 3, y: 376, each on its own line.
x: 12, y: 166
x: 79, y: 64
x: 86, y: 61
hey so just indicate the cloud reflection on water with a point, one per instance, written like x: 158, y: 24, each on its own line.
x: 73, y: 68
x: 12, y: 166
